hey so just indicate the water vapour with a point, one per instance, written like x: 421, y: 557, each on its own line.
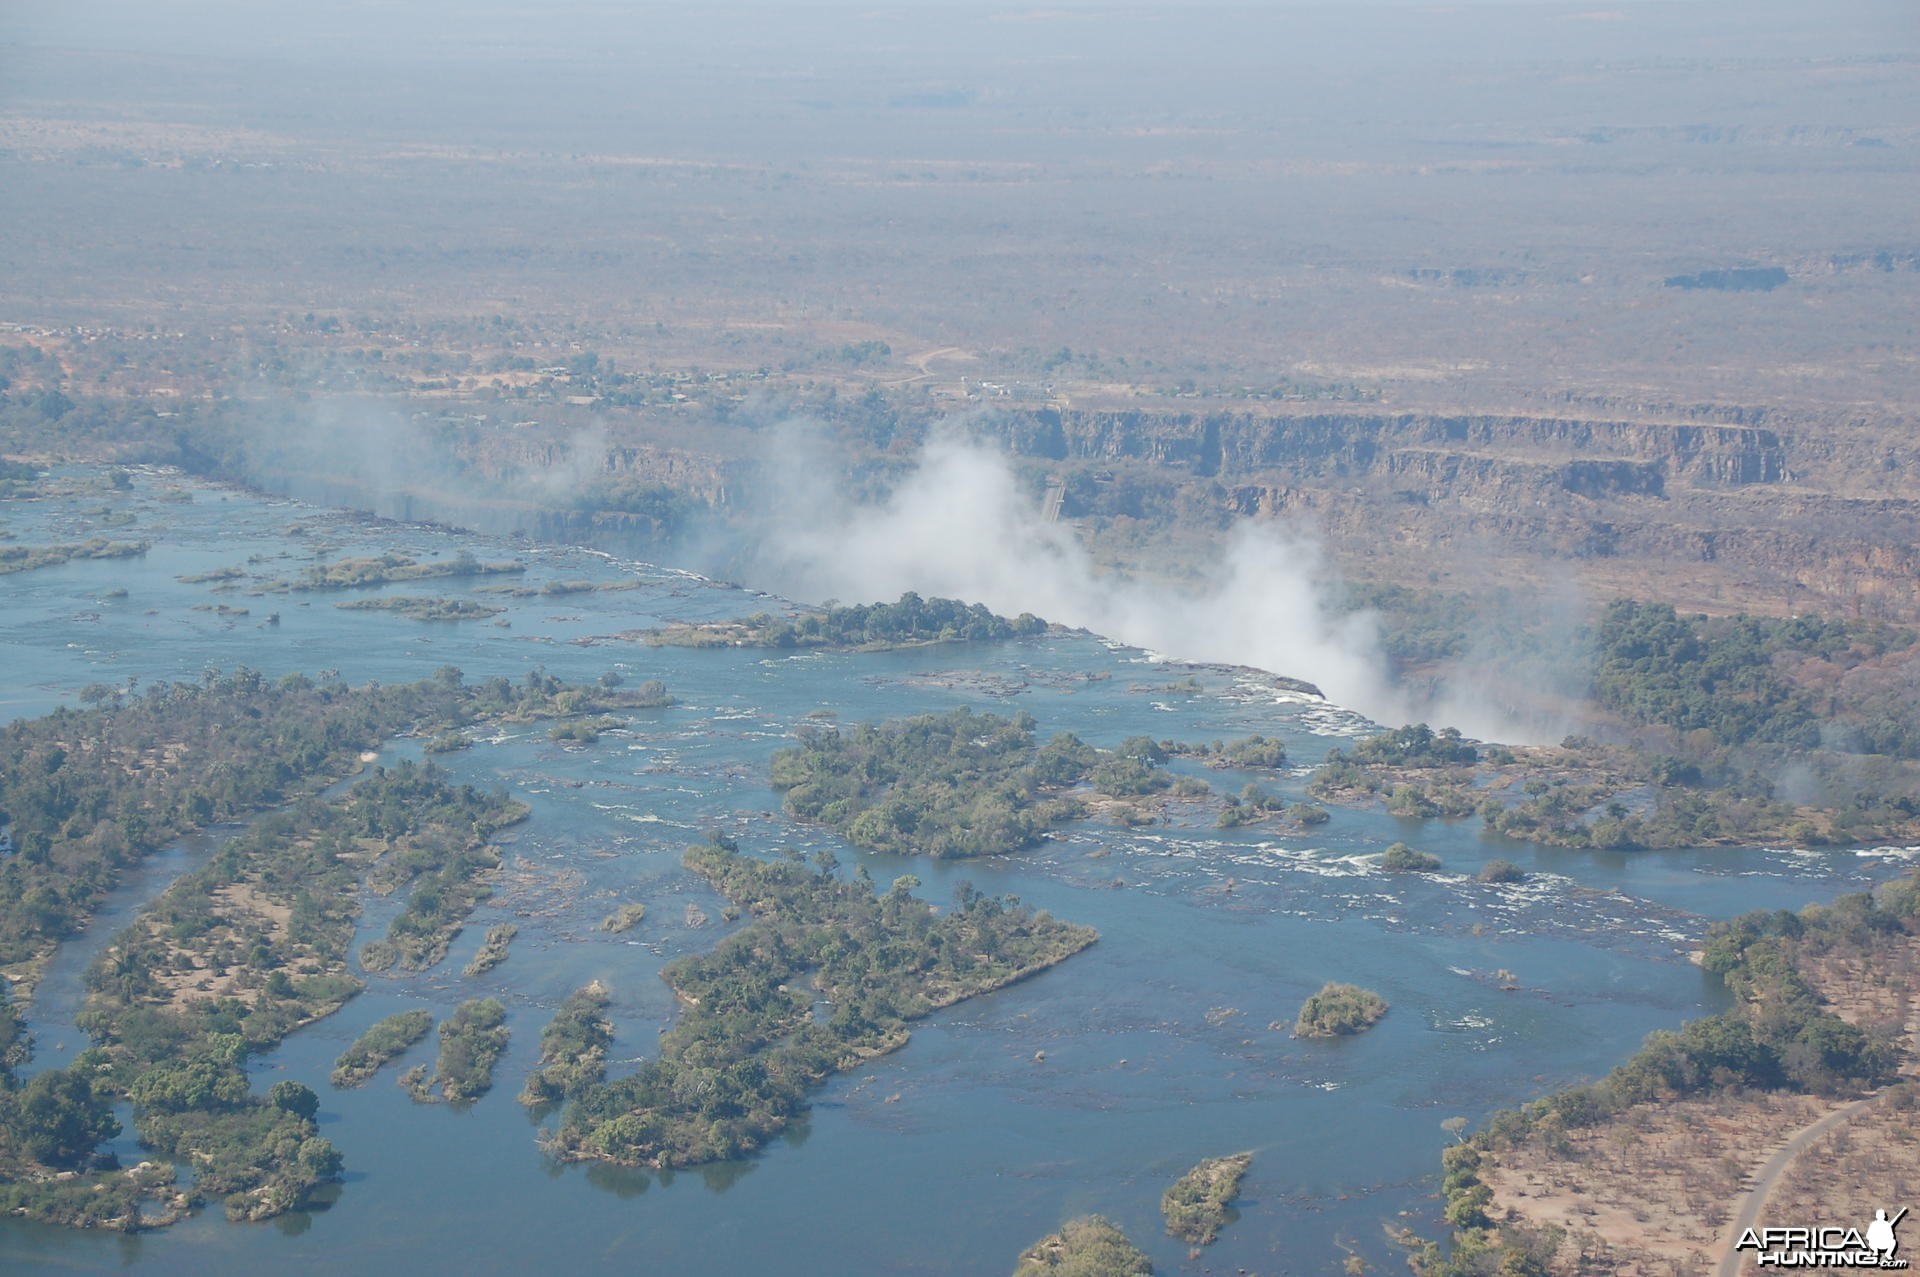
x: 959, y: 525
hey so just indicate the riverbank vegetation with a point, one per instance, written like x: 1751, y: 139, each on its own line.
x: 1196, y: 1207
x: 959, y: 783
x: 911, y: 621
x: 573, y: 1049
x: 1791, y: 975
x: 1700, y: 731
x: 1091, y: 1246
x: 825, y: 974
x: 1338, y: 1010
x: 382, y: 1043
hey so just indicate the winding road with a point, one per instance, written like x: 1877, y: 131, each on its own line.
x: 1769, y: 1177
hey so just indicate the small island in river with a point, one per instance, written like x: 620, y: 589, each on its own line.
x: 862, y: 627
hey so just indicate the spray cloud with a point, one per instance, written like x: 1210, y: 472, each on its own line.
x: 959, y: 525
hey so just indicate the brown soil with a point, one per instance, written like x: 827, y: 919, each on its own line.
x: 245, y: 907
x: 1652, y: 1193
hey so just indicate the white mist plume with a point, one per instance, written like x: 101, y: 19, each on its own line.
x: 959, y: 526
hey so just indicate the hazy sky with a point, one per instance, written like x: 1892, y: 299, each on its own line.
x: 383, y: 30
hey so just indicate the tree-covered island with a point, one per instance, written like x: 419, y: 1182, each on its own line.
x: 1197, y: 1206
x: 911, y: 621
x: 1338, y: 1010
x: 965, y: 784
x: 827, y: 973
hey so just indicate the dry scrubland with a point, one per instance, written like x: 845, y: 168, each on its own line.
x: 1654, y: 1192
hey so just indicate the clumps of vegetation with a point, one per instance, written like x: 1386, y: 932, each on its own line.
x: 49, y: 1129
x: 1417, y: 745
x: 114, y: 1201
x: 1426, y: 802
x: 16, y: 1044
x: 1265, y: 753
x: 1253, y: 803
x: 446, y: 888
x: 756, y: 1036
x: 416, y: 607
x: 625, y: 918
x: 1382, y: 761
x: 1133, y: 770
x: 1088, y: 1247
x: 381, y: 1044
x: 573, y: 1049
x: 215, y: 577
x: 651, y: 694
x: 1338, y: 1010
x: 1778, y: 1036
x: 866, y: 627
x: 1500, y: 871
x: 493, y: 949
x: 1571, y: 795
x: 1308, y: 814
x: 25, y: 558
x: 1196, y: 1205
x: 1400, y: 858
x: 472, y: 1040
x: 582, y: 731
x: 556, y: 589
x: 57, y: 1119
x: 354, y: 573
x: 447, y: 743
x: 953, y: 784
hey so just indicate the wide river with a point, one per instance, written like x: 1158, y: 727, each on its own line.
x: 1087, y: 1089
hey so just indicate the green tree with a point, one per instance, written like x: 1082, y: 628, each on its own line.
x: 295, y: 1097
x: 60, y: 1118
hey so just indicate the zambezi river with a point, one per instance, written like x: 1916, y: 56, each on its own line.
x: 1087, y: 1089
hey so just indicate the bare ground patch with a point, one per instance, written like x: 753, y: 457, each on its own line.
x: 1652, y: 1192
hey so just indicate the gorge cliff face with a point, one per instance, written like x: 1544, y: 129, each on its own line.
x: 1743, y: 511
x: 1714, y: 508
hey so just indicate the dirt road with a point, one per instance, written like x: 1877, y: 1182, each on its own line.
x: 1769, y: 1177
